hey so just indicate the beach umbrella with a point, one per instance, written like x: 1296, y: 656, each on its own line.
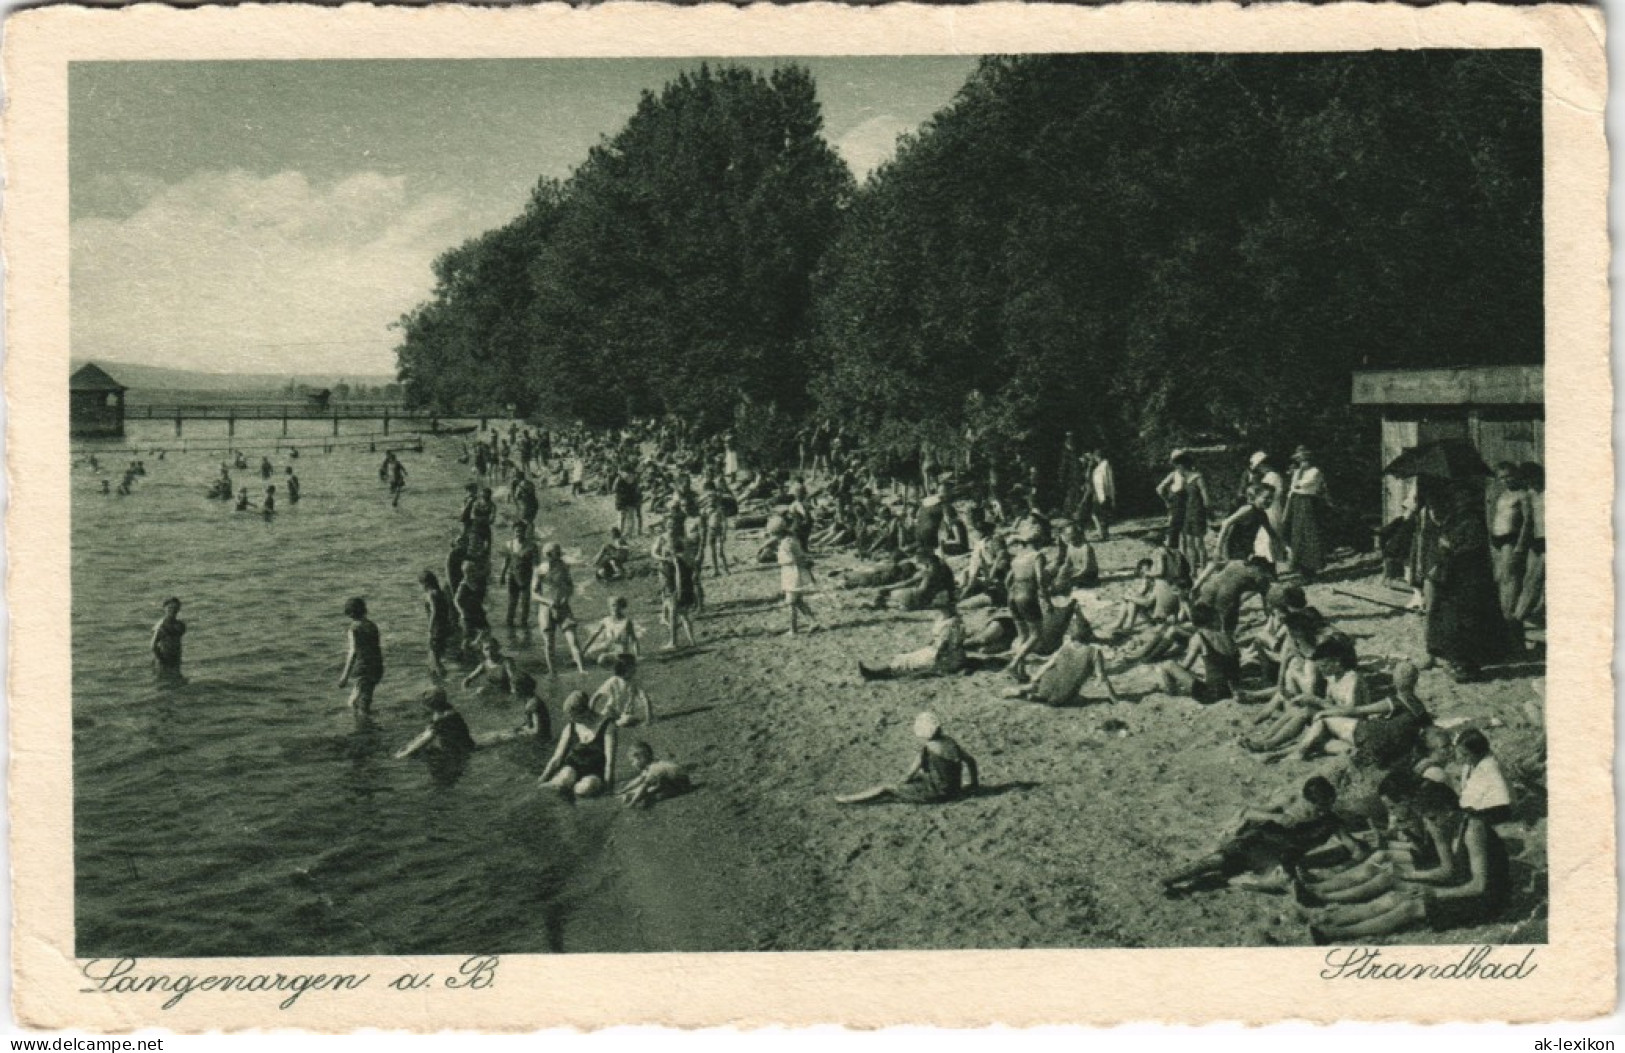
x: 1442, y: 459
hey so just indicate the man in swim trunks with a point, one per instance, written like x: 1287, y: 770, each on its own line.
x: 553, y: 589
x: 518, y: 568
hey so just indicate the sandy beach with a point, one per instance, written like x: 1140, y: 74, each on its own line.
x: 1082, y: 808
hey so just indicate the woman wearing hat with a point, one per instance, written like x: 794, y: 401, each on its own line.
x: 1304, y: 522
x: 1185, y: 493
x: 942, y: 771
x: 1465, y: 626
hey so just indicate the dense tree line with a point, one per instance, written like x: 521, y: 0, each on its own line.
x: 1147, y: 250
x: 671, y: 273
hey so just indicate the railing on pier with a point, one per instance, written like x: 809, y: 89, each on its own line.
x: 232, y: 412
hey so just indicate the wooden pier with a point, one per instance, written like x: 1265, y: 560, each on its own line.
x: 232, y: 412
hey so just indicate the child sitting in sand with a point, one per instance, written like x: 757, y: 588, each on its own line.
x: 654, y: 781
x: 614, y: 636
x: 1078, y: 567
x: 620, y: 699
x: 1270, y: 842
x: 1332, y: 722
x: 1467, y: 886
x: 610, y: 563
x: 1297, y: 676
x: 942, y: 771
x: 1484, y: 790
x: 538, y: 725
x: 1151, y: 599
x: 931, y: 581
x: 1337, y: 684
x: 1271, y: 644
x: 1213, y: 646
x: 1079, y: 659
x: 944, y: 655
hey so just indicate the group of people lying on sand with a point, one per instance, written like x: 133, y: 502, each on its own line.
x: 1434, y: 858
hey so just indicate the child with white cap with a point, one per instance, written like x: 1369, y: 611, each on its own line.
x: 941, y: 771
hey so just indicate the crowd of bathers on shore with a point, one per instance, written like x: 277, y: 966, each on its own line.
x: 948, y: 539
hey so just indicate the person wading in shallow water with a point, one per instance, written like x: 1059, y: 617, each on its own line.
x: 166, y: 640
x: 365, y: 661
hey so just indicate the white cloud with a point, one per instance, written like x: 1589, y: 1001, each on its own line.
x: 872, y: 142
x: 211, y: 272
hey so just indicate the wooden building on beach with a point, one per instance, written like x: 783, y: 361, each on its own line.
x: 95, y: 404
x: 1501, y: 410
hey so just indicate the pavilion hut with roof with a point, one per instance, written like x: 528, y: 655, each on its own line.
x: 1500, y: 410
x: 95, y: 404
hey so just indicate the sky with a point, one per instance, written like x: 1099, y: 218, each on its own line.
x: 274, y: 217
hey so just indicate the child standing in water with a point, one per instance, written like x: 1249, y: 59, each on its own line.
x: 365, y: 662
x: 166, y: 640
x: 269, y: 507
x: 293, y: 486
x: 442, y: 622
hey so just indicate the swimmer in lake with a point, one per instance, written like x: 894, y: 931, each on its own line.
x: 292, y: 485
x: 269, y: 507
x: 365, y: 662
x: 166, y: 640
x: 243, y: 503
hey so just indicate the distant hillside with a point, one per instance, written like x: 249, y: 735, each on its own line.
x: 159, y: 378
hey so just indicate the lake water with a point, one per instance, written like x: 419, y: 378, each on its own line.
x: 245, y: 812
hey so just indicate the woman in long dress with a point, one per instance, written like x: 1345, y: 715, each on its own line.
x: 1465, y: 627
x: 1305, y: 518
